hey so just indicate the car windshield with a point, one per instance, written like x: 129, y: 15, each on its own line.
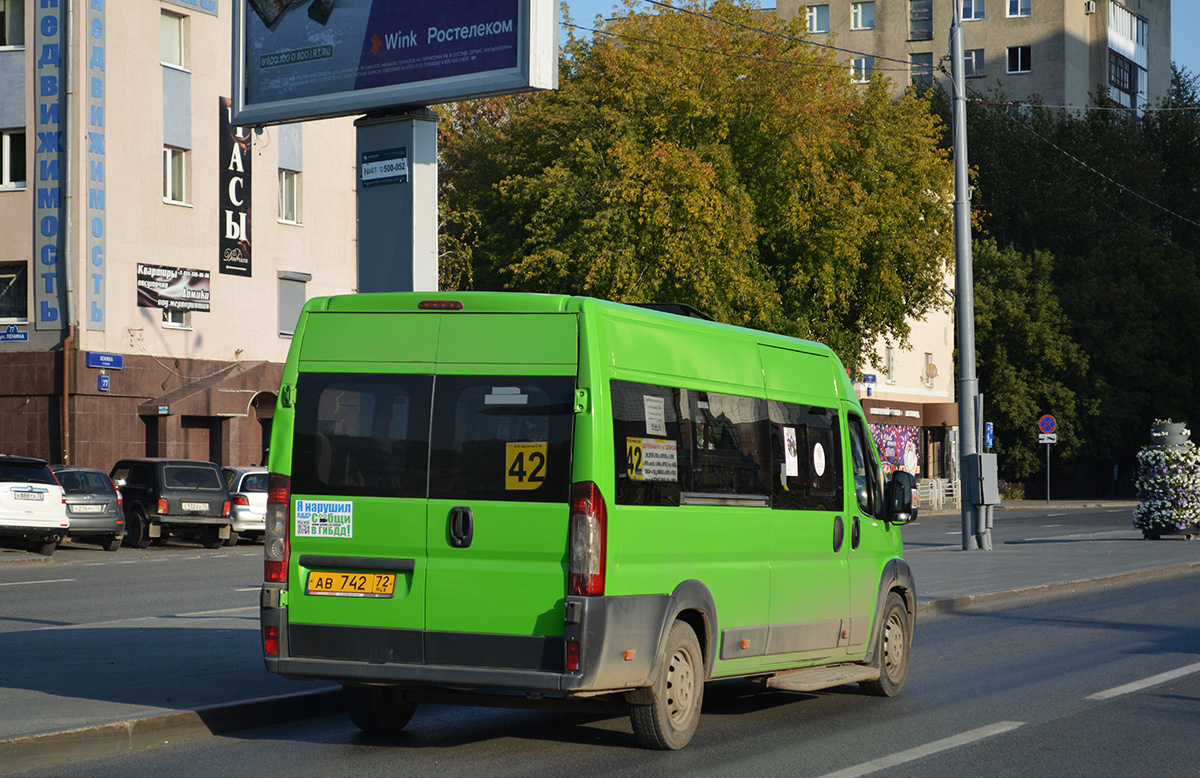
x: 193, y: 478
x: 22, y: 472
x: 76, y: 482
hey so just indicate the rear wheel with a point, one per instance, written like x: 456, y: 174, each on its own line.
x: 138, y: 530
x: 211, y: 537
x: 233, y: 538
x: 378, y: 709
x: 891, y: 655
x: 668, y: 723
x: 111, y: 542
x: 47, y: 548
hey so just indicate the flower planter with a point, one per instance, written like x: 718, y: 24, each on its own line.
x: 1168, y: 484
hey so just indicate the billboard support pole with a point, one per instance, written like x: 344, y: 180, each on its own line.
x: 397, y: 202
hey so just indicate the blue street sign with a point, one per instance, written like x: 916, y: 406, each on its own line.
x: 105, y: 361
x: 988, y: 435
x: 102, y: 382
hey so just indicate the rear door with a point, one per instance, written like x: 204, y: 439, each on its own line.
x: 500, y: 469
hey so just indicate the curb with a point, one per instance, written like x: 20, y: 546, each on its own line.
x: 221, y: 718
x: 217, y: 719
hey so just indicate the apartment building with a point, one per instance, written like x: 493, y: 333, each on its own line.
x: 1061, y: 51
x: 154, y: 258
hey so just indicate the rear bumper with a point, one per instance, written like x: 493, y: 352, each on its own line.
x: 618, y: 642
x: 38, y: 532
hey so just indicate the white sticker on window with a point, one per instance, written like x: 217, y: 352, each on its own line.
x: 818, y: 459
x: 791, y: 452
x: 323, y: 519
x: 656, y: 416
x: 506, y: 395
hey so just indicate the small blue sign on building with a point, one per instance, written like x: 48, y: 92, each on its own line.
x: 13, y: 334
x: 105, y: 361
x: 103, y: 382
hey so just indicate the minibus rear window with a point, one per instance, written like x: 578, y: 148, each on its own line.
x: 361, y: 435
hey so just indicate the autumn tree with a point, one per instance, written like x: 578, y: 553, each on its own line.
x: 712, y: 157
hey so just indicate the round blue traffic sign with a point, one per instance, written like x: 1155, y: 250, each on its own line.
x: 1047, y: 424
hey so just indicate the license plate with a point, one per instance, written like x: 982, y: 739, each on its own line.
x: 195, y: 506
x: 28, y: 496
x: 87, y: 508
x: 351, y: 584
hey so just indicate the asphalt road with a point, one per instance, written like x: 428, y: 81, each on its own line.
x: 1037, y: 688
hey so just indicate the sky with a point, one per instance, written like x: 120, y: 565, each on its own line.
x: 1185, y: 26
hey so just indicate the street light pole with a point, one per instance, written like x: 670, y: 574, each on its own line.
x: 968, y: 384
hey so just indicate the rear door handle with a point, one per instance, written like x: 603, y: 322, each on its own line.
x: 462, y: 527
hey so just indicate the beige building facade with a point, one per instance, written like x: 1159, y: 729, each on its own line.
x: 1061, y: 51
x: 154, y: 259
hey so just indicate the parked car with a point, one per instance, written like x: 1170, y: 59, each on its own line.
x: 248, y: 498
x: 182, y: 497
x: 93, y: 506
x: 33, y: 509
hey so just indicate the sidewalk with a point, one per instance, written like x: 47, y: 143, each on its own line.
x: 68, y: 692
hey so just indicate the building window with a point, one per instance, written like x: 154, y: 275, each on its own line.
x: 289, y: 196
x: 972, y: 10
x: 174, y: 175
x: 1120, y: 72
x: 1019, y: 60
x: 818, y: 18
x: 889, y: 363
x: 176, y: 320
x: 860, y: 69
x: 14, y: 295
x: 862, y: 16
x: 292, y: 295
x: 12, y: 22
x: 1019, y: 8
x: 173, y: 51
x: 973, y: 63
x: 12, y: 159
x: 920, y: 20
x: 921, y: 70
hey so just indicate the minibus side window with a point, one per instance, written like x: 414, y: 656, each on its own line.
x: 727, y: 438
x: 806, y: 457
x: 361, y: 435
x: 648, y: 443
x: 502, y: 438
x: 868, y: 490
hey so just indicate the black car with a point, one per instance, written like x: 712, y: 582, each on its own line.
x: 93, y: 506
x: 181, y: 497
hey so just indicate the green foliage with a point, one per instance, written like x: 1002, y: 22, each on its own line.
x: 687, y: 160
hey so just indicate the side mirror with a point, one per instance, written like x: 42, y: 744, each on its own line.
x: 901, y: 498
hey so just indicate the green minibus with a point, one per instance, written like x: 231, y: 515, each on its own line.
x: 563, y: 498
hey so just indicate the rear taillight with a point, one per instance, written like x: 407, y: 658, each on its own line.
x: 225, y: 509
x: 589, y: 538
x: 275, y: 541
x: 271, y: 641
x: 240, y: 499
x: 120, y: 499
x: 162, y: 505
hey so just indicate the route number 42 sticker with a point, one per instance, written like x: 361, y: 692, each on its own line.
x: 525, y: 466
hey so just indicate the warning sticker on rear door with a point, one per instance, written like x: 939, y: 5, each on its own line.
x: 324, y: 519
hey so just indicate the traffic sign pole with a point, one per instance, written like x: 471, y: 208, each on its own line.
x: 1046, y: 429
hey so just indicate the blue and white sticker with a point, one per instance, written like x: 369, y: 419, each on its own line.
x: 324, y: 519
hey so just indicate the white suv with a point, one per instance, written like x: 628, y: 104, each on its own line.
x: 33, y: 506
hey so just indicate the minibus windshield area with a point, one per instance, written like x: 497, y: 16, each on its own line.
x: 443, y: 437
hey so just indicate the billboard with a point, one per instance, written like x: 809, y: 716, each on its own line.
x: 306, y: 59
x: 174, y: 288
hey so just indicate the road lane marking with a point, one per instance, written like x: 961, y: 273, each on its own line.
x: 1146, y: 683
x: 250, y: 589
x: 28, y: 583
x: 217, y: 613
x: 929, y: 749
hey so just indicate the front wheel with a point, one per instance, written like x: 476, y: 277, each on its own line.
x: 895, y: 644
x: 668, y: 723
x: 378, y: 709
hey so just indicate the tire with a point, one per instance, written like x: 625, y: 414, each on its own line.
x: 378, y: 709
x: 110, y: 542
x: 233, y: 538
x: 47, y: 548
x: 137, y: 530
x: 892, y: 653
x: 211, y: 537
x: 669, y: 723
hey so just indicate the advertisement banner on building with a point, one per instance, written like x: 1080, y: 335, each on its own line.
x: 173, y: 288
x: 49, y: 123
x: 96, y: 277
x: 234, y: 193
x: 899, y: 447
x: 301, y: 60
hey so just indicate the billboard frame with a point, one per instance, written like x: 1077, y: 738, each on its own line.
x: 536, y: 69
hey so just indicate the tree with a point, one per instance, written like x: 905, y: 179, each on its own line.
x: 684, y: 159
